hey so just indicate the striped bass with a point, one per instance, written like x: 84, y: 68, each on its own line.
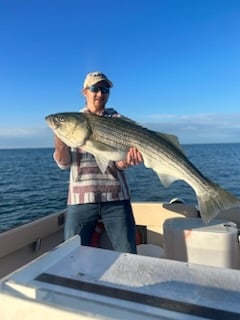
x: 109, y: 139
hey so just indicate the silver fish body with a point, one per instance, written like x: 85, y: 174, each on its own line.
x: 109, y: 139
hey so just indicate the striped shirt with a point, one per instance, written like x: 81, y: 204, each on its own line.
x: 87, y: 184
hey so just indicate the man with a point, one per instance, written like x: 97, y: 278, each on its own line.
x: 94, y: 195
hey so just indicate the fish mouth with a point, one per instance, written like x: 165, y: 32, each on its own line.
x: 52, y: 122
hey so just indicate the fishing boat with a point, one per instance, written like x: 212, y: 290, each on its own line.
x: 184, y: 269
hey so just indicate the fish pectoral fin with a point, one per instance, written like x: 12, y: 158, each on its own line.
x: 99, y: 149
x: 166, y: 179
x: 102, y: 163
x: 103, y: 154
x: 102, y: 147
x: 99, y: 146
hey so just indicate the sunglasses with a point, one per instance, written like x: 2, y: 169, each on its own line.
x: 96, y: 89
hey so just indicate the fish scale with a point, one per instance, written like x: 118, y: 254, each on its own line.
x: 109, y: 138
x: 109, y: 132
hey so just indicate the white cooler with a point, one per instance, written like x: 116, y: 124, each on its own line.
x: 191, y: 240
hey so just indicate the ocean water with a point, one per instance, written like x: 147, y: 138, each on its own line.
x: 32, y: 186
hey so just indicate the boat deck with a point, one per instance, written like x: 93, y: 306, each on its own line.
x: 103, y: 284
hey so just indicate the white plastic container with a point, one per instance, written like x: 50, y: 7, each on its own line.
x: 190, y: 240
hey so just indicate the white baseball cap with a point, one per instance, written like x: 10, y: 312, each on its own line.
x: 93, y: 78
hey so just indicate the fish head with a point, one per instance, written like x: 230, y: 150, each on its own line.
x: 71, y: 127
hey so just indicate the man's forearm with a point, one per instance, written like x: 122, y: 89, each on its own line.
x: 62, y: 153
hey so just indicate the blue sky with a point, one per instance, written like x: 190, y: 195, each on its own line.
x: 175, y: 65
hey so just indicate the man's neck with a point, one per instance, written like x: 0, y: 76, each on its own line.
x: 94, y: 110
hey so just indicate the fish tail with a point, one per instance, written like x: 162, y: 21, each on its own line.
x: 214, y: 200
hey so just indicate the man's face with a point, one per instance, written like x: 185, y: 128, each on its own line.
x: 97, y: 96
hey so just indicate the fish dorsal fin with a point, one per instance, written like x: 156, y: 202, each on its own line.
x: 172, y: 139
x: 127, y: 119
x: 124, y: 118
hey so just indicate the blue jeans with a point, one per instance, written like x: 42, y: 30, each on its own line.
x: 117, y: 217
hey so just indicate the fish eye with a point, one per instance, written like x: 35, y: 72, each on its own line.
x: 61, y: 118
